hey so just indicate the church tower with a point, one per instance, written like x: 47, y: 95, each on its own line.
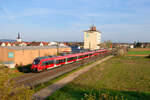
x: 19, y: 38
x: 92, y: 38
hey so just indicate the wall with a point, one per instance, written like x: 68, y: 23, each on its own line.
x: 4, y: 54
x: 92, y: 40
x: 24, y: 57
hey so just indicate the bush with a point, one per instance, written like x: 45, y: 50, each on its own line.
x: 8, y: 90
x: 121, y: 51
x: 148, y: 56
x: 103, y: 96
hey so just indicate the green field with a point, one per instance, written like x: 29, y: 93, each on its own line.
x: 138, y: 52
x: 121, y: 78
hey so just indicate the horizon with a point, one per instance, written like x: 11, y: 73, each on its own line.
x: 65, y: 20
x: 75, y: 41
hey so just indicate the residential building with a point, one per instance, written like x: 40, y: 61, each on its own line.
x: 2, y: 44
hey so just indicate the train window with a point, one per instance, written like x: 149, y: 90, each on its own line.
x: 57, y: 61
x: 81, y: 56
x: 36, y: 61
x: 46, y: 63
x: 90, y: 54
x: 51, y: 62
x: 63, y: 60
x: 60, y: 61
x: 71, y: 58
x: 68, y: 59
x: 43, y: 63
x: 76, y: 57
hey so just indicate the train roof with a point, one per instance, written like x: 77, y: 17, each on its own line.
x: 40, y: 58
x: 67, y: 56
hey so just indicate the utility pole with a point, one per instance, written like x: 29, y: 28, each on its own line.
x: 57, y: 47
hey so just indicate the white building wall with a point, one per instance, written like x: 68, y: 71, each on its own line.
x: 3, y: 44
x: 8, y: 44
x: 92, y: 39
x: 19, y: 40
x: 41, y: 44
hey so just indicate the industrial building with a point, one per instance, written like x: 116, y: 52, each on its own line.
x: 25, y: 55
x: 92, y: 38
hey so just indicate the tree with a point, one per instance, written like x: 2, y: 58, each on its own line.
x: 107, y: 44
x: 138, y: 44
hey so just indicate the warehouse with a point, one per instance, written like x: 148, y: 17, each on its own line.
x: 25, y: 55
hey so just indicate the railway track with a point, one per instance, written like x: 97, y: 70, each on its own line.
x: 33, y: 79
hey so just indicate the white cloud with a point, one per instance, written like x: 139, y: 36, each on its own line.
x: 7, y: 14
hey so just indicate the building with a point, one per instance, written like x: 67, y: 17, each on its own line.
x: 36, y: 44
x: 132, y: 46
x: 92, y: 38
x: 25, y: 55
x: 2, y: 44
x: 53, y: 43
x: 19, y: 38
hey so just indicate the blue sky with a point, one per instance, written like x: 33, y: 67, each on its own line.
x: 65, y: 20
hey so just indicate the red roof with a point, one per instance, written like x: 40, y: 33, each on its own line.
x: 1, y: 43
x: 45, y: 43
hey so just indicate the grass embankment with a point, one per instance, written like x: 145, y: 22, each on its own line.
x: 43, y: 85
x: 13, y: 71
x: 121, y: 78
x: 139, y: 52
x: 8, y: 90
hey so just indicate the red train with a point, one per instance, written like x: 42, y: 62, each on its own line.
x: 44, y: 63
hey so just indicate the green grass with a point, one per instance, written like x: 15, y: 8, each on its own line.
x: 121, y: 78
x: 14, y: 71
x: 138, y: 53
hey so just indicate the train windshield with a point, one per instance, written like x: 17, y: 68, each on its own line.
x: 36, y: 61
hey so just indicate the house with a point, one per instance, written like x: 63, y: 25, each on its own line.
x: 19, y: 44
x: 36, y: 44
x: 52, y: 44
x: 132, y: 46
x: 44, y: 43
x: 13, y: 44
x: 2, y: 44
x: 8, y: 43
x: 62, y: 44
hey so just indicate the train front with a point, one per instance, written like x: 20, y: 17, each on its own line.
x: 35, y: 64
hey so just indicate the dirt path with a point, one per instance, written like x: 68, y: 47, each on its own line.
x: 44, y: 93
